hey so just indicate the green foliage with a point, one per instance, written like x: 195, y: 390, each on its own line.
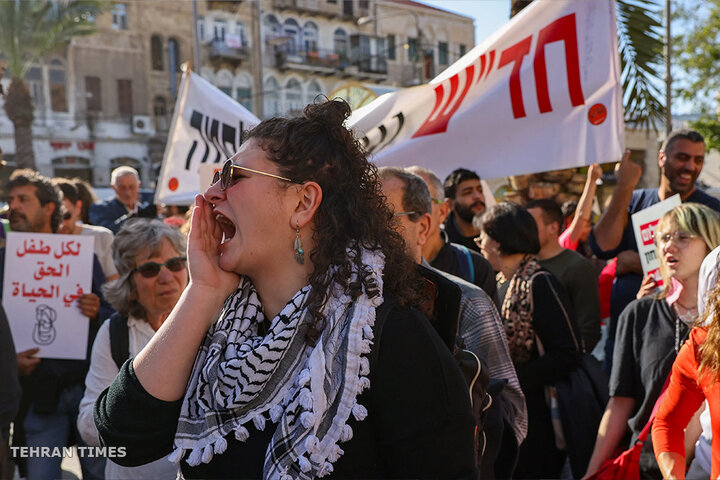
x: 641, y: 40
x: 710, y: 129
x: 696, y: 51
x: 33, y: 29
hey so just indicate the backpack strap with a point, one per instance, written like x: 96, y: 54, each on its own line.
x: 119, y: 339
x: 465, y: 261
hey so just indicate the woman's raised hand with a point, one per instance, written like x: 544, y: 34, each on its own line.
x: 203, y: 257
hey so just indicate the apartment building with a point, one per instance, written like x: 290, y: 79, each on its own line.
x: 107, y: 100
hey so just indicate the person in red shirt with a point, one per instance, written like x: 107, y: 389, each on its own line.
x: 694, y: 378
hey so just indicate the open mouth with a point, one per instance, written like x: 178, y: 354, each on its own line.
x: 671, y: 261
x: 226, y: 226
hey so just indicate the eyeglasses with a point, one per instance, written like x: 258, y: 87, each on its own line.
x: 227, y: 176
x: 680, y: 239
x: 402, y: 214
x: 152, y: 269
x: 437, y: 201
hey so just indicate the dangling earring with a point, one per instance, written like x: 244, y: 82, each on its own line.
x: 299, y: 252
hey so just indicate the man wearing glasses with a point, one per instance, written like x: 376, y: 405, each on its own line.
x: 450, y: 257
x: 52, y: 388
x: 111, y: 214
x: 479, y: 324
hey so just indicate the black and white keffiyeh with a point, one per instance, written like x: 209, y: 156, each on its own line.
x: 241, y: 376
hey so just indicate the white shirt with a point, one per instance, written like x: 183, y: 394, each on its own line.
x: 101, y: 374
x: 103, y: 247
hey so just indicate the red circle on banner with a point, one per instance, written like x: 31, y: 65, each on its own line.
x: 597, y: 114
x: 173, y: 184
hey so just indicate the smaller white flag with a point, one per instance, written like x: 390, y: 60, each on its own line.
x: 207, y: 128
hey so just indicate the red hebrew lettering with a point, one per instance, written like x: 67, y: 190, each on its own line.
x: 483, y: 61
x: 490, y: 63
x: 563, y: 29
x: 515, y: 54
x: 438, y: 119
x: 647, y: 232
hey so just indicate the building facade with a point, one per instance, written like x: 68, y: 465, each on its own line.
x: 107, y: 99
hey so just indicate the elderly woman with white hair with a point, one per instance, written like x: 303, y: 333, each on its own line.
x: 150, y: 259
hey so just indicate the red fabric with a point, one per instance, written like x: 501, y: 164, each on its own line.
x: 566, y: 242
x: 684, y: 396
x: 605, y: 282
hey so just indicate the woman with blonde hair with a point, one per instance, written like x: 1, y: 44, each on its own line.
x: 652, y: 329
x: 695, y: 378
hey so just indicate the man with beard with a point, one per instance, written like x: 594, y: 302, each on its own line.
x: 51, y: 388
x: 446, y: 256
x: 463, y: 189
x: 479, y: 327
x: 681, y: 159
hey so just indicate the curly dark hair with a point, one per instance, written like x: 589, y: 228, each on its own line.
x: 316, y: 146
x: 46, y: 192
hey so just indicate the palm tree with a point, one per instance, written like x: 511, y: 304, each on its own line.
x: 29, y: 31
x: 641, y: 54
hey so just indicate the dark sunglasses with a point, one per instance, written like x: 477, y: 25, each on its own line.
x: 227, y: 176
x: 151, y: 269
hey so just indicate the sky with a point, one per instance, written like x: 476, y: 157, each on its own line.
x: 489, y: 15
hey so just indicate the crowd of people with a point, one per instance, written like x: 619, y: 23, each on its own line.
x: 315, y: 315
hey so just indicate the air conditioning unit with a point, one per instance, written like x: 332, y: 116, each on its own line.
x: 141, y: 124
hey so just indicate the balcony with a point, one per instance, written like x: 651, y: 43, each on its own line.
x: 309, y: 7
x: 323, y: 62
x: 226, y: 51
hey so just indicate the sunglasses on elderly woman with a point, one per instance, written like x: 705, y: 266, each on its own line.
x: 230, y: 173
x: 152, y: 269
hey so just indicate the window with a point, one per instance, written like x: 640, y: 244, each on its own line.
x: 292, y: 31
x: 125, y: 102
x: 340, y: 42
x: 34, y: 81
x: 160, y: 113
x: 174, y: 55
x: 93, y: 95
x: 58, y: 87
x: 271, y: 26
x: 310, y: 37
x: 391, y: 47
x: 332, y: 1
x: 348, y: 7
x: 241, y: 32
x: 201, y: 29
x: 412, y: 50
x: 462, y: 48
x: 156, y: 53
x: 364, y: 4
x: 442, y: 53
x: 271, y: 97
x: 224, y: 81
x: 119, y: 15
x: 244, y: 97
x: 313, y: 91
x: 219, y: 27
x: 293, y: 96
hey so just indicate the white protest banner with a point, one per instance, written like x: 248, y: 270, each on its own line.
x: 44, y: 276
x: 542, y: 93
x: 207, y: 127
x: 644, y: 226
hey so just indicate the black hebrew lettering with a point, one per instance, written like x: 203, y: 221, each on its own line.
x: 220, y: 139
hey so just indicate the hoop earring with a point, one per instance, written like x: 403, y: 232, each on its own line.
x: 299, y: 252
